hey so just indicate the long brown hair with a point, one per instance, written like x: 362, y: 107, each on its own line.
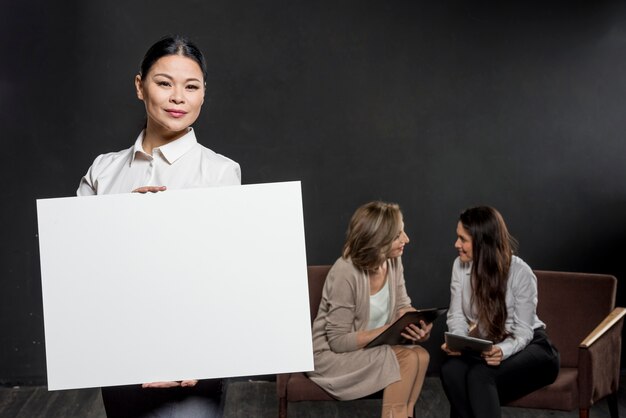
x: 372, y: 230
x: 492, y: 250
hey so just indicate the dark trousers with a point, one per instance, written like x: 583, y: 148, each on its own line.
x: 133, y: 401
x: 476, y: 390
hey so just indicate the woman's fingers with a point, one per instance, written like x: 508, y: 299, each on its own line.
x: 415, y: 333
x: 161, y: 385
x: 493, y: 357
x: 150, y: 189
x: 170, y: 384
x: 449, y: 352
x: 404, y: 310
x: 426, y: 327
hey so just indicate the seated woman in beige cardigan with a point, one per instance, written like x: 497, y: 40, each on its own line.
x: 363, y: 294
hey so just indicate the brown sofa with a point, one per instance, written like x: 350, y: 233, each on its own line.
x: 582, y: 321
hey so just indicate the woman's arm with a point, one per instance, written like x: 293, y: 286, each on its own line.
x: 457, y: 321
x: 340, y: 294
x: 345, y: 293
x: 230, y: 175
x: 522, y: 308
x: 365, y: 337
x: 87, y: 185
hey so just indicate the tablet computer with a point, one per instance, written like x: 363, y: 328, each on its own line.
x: 392, y: 335
x: 465, y: 343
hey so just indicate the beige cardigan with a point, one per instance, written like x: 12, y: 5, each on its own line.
x: 343, y: 370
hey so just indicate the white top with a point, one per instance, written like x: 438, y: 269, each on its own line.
x: 181, y: 164
x: 521, y: 304
x: 379, y: 307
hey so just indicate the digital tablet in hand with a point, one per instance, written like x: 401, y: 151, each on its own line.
x: 464, y: 343
x: 392, y: 335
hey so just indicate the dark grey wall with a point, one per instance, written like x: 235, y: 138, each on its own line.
x: 435, y: 105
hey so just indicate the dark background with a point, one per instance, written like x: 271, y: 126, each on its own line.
x: 435, y: 105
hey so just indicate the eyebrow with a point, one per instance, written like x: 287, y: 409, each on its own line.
x: 171, y: 78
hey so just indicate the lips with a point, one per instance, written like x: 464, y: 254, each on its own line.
x: 177, y: 113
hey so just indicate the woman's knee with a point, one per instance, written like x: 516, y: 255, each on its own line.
x: 480, y: 374
x: 422, y: 353
x: 548, y: 370
x: 453, y: 366
x: 407, y: 358
x: 423, y: 356
x: 446, y: 369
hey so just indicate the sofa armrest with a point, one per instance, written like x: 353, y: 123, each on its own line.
x: 610, y: 320
x: 599, y: 360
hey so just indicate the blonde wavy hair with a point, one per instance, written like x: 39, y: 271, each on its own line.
x: 372, y: 230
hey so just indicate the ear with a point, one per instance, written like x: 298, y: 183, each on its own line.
x: 139, y: 87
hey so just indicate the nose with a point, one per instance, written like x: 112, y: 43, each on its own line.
x: 406, y: 238
x: 457, y: 244
x: 177, y: 96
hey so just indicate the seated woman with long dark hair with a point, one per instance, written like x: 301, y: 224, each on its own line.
x: 494, y: 297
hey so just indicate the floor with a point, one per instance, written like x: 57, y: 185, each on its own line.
x: 254, y: 398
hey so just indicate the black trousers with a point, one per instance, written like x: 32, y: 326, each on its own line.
x: 476, y: 390
x: 133, y: 401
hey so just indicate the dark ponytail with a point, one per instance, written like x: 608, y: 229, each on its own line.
x: 172, y: 45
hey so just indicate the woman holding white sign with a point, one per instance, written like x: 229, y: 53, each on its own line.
x: 166, y: 155
x: 363, y: 294
x: 493, y: 297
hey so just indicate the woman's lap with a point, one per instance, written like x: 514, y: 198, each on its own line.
x: 530, y: 369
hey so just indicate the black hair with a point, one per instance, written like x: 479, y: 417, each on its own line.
x: 172, y: 45
x: 492, y: 251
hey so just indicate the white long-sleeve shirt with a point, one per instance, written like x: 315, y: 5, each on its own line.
x: 180, y: 164
x: 521, y: 305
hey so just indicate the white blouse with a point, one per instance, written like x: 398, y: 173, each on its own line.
x: 379, y: 307
x: 521, y: 303
x: 180, y: 164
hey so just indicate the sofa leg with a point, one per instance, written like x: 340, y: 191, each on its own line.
x: 612, y: 401
x: 282, y: 407
x: 583, y: 413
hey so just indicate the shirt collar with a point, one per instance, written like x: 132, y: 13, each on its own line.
x: 171, y: 151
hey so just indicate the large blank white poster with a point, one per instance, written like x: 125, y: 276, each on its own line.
x: 189, y: 284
